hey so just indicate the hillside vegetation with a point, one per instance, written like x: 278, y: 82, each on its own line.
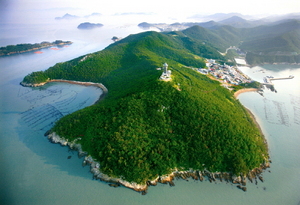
x: 145, y: 127
x: 263, y: 44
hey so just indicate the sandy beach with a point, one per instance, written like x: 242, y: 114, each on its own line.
x: 236, y: 94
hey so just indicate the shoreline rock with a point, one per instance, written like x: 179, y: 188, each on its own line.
x: 204, y: 175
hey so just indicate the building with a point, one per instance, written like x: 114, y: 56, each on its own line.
x: 166, y: 75
x: 165, y: 68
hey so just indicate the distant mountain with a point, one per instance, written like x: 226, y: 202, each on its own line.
x: 71, y: 17
x: 67, y: 17
x: 269, y: 31
x: 282, y: 18
x: 88, y: 25
x: 208, y: 24
x: 163, y: 26
x: 145, y: 25
x: 219, y: 16
x: 263, y: 44
x: 236, y: 21
x: 93, y: 15
x: 222, y: 16
x: 219, y: 37
x: 274, y: 44
x: 177, y: 26
x: 278, y: 39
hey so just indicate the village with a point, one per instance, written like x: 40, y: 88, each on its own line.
x: 225, y: 73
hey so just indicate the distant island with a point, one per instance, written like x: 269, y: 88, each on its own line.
x: 160, y: 118
x: 72, y: 17
x: 88, y: 25
x: 26, y: 47
x: 67, y: 17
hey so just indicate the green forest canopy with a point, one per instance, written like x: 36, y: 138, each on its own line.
x: 145, y: 127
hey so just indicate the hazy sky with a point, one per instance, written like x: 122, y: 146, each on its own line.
x: 168, y: 6
x: 175, y: 9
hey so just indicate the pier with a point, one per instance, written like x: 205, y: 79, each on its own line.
x: 290, y: 77
x: 268, y: 79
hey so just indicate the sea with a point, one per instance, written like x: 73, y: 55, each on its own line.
x: 34, y: 171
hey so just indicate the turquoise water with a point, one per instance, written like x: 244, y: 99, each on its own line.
x: 35, y: 171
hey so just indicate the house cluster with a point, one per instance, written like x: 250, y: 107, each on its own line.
x: 228, y: 74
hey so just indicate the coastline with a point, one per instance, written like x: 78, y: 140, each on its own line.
x: 237, y: 93
x: 202, y: 175
x: 257, y: 124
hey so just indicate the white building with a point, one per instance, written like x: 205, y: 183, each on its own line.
x: 166, y: 75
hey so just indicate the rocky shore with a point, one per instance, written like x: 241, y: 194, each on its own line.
x: 203, y: 175
x: 33, y: 85
x: 253, y: 176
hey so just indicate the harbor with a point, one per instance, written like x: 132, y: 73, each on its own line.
x: 268, y: 79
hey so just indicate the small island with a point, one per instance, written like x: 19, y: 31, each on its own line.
x: 27, y: 47
x: 67, y: 17
x: 161, y: 118
x: 88, y: 25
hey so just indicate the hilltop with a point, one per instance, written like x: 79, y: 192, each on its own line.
x: 144, y: 127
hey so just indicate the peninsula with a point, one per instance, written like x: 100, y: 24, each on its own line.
x: 26, y: 47
x: 161, y: 118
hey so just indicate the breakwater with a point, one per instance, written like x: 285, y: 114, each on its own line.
x: 268, y: 79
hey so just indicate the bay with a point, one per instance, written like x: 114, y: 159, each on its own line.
x: 35, y: 171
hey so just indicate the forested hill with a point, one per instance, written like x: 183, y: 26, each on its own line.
x: 274, y: 44
x: 146, y: 127
x: 263, y: 44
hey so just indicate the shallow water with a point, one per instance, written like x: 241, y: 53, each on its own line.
x: 35, y: 171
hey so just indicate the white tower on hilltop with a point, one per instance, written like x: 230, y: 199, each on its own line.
x: 166, y: 75
x: 165, y: 68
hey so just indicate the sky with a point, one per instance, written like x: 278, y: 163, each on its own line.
x: 22, y: 9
